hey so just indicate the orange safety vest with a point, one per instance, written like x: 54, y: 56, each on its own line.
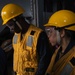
x: 64, y: 65
x: 25, y: 56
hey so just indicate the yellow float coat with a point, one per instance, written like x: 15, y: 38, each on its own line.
x: 59, y: 67
x: 25, y: 56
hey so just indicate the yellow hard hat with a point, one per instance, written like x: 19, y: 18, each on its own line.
x: 62, y: 18
x: 10, y: 11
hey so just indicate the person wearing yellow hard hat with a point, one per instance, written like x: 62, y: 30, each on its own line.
x: 53, y: 36
x: 63, y: 59
x: 30, y: 43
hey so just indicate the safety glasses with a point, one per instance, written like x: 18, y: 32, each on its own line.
x: 50, y: 30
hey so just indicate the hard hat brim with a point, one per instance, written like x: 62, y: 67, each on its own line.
x: 48, y: 25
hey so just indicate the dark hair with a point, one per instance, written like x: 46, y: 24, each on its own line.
x: 70, y: 34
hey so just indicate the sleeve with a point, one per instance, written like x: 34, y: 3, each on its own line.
x: 2, y: 62
x: 44, y: 51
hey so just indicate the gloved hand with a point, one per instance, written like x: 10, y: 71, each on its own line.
x: 7, y: 45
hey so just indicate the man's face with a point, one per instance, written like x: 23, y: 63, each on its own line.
x: 51, y: 32
x: 13, y: 26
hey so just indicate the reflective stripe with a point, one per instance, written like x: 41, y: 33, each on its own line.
x: 8, y: 48
x: 29, y: 69
x: 67, y: 70
x: 15, y: 39
x: 29, y: 41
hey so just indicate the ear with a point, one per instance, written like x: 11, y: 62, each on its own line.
x: 62, y: 33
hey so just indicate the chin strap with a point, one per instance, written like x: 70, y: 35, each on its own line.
x: 18, y: 24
